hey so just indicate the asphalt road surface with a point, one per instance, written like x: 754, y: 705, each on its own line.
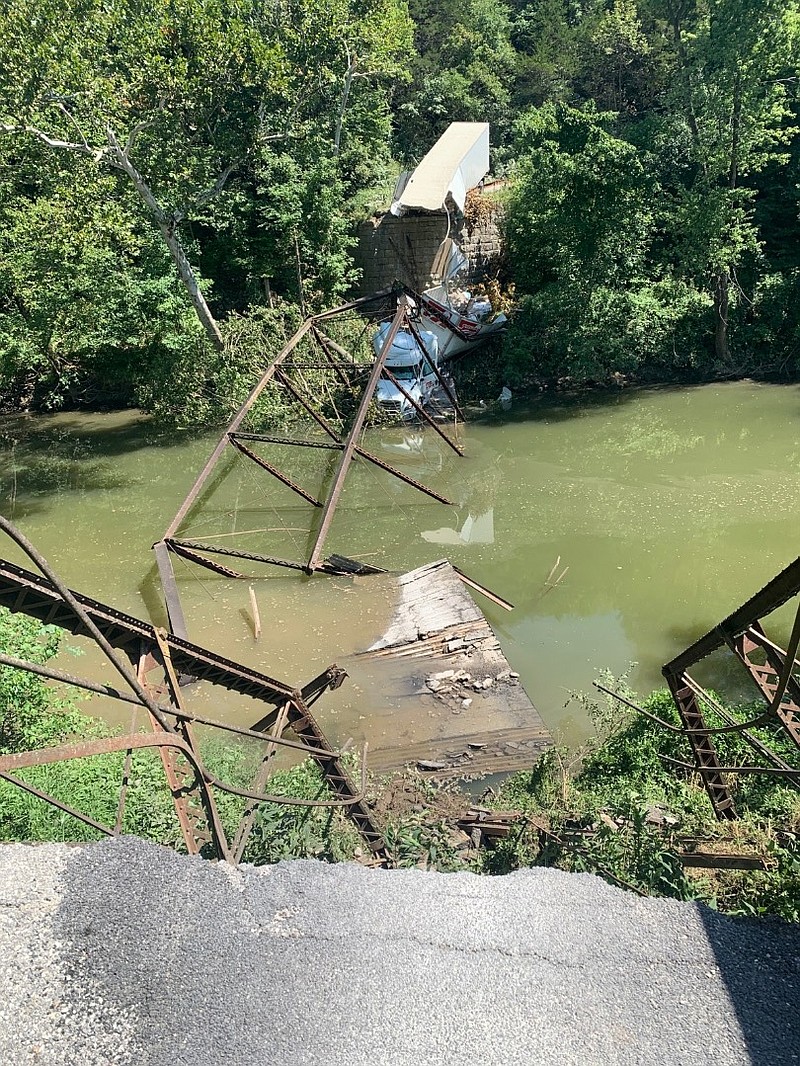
x: 123, y: 952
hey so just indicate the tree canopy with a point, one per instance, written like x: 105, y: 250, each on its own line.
x: 173, y: 170
x: 650, y: 242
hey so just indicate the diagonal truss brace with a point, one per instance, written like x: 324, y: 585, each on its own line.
x: 349, y: 448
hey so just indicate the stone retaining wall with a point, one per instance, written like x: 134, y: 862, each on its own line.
x: 403, y: 249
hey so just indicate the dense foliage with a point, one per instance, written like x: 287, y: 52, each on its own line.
x: 177, y: 157
x: 653, y: 201
x: 170, y: 170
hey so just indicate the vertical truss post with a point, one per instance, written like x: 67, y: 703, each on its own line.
x: 747, y: 736
x: 172, y: 599
x: 742, y: 632
x: 335, y: 773
x: 349, y: 449
x: 126, y: 777
x: 705, y: 755
x: 175, y: 614
x: 204, y: 474
x: 190, y: 816
x: 308, y: 731
x: 194, y: 803
x: 439, y: 376
x: 362, y: 452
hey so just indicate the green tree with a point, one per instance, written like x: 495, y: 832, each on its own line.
x: 173, y: 95
x: 463, y: 72
x: 617, y: 68
x: 736, y: 66
x: 241, y: 129
x: 581, y: 223
x: 87, y: 297
x: 546, y: 38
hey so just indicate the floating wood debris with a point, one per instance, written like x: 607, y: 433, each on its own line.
x: 255, y: 612
x: 708, y: 860
x: 440, y: 651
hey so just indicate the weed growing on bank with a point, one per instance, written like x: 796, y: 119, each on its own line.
x: 620, y: 809
x: 34, y: 715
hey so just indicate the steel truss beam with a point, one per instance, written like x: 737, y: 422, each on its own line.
x: 705, y: 755
x: 150, y: 649
x: 349, y: 446
x: 768, y: 677
x: 775, y: 679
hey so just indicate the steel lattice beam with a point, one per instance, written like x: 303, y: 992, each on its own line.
x: 189, y: 781
x: 277, y: 372
x: 743, y: 633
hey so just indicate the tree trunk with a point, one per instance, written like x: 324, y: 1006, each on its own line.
x: 721, y: 291
x: 189, y: 279
x: 118, y: 158
x: 721, y: 302
x: 169, y: 230
x: 348, y: 84
x: 686, y: 81
x: 736, y: 120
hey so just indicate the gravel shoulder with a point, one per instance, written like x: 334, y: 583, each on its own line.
x: 123, y: 952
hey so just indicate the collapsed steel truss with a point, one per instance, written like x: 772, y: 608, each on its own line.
x: 772, y: 669
x: 336, y: 360
x: 145, y: 651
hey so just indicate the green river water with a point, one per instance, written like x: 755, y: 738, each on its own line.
x: 664, y: 507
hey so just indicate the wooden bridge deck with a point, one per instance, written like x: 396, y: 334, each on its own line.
x: 474, y: 717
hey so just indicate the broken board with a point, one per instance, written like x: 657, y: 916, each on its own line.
x: 473, y: 716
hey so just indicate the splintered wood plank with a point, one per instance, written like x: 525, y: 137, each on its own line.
x: 477, y: 718
x: 471, y: 754
x: 432, y: 598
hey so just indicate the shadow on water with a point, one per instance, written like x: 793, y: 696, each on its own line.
x: 561, y: 407
x: 112, y: 434
x: 758, y: 962
x: 48, y: 474
x: 153, y: 598
x: 68, y: 456
x: 46, y: 456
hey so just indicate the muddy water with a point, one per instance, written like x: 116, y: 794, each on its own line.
x: 621, y: 526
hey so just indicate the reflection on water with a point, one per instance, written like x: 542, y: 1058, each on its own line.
x: 474, y: 529
x: 667, y: 507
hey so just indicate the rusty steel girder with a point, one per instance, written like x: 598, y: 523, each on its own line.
x: 150, y: 649
x: 338, y: 360
x: 776, y: 680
